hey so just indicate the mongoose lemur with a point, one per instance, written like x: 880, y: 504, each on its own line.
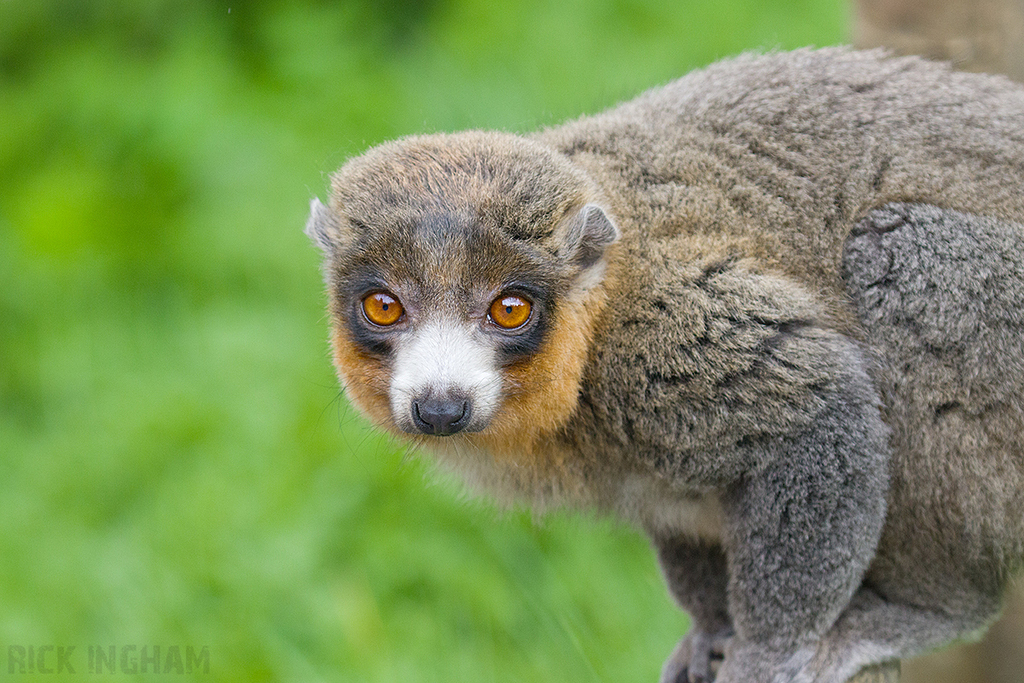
x: 773, y: 313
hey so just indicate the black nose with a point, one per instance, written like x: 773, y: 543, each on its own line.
x: 440, y: 416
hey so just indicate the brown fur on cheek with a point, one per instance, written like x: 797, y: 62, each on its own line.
x: 364, y: 378
x: 541, y: 393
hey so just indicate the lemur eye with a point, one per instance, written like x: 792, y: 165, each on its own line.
x: 510, y: 311
x: 380, y: 308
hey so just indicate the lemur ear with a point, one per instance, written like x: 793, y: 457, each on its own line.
x: 321, y: 226
x: 588, y: 233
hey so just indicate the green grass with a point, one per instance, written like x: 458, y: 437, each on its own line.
x: 176, y: 464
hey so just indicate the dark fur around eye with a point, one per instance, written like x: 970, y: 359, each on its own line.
x: 374, y: 341
x: 349, y: 291
x: 523, y: 345
x: 518, y: 344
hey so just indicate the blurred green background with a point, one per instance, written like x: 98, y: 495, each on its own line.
x: 176, y: 464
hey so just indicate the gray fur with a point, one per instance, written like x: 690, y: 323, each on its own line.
x: 804, y: 376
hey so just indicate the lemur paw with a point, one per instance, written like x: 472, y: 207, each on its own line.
x: 696, y: 658
x: 746, y: 662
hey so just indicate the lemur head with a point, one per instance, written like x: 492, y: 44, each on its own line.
x: 464, y: 274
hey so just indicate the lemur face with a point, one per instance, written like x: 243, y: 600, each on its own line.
x: 451, y: 263
x: 445, y: 305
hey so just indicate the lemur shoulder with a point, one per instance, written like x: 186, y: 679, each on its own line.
x: 770, y: 312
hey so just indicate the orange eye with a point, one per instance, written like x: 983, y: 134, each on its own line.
x: 382, y: 309
x: 510, y: 311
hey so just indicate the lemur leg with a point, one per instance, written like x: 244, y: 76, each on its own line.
x: 697, y: 576
x: 801, y: 530
x: 872, y: 630
x: 802, y: 521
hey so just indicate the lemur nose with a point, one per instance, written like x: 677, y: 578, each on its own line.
x: 440, y: 416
